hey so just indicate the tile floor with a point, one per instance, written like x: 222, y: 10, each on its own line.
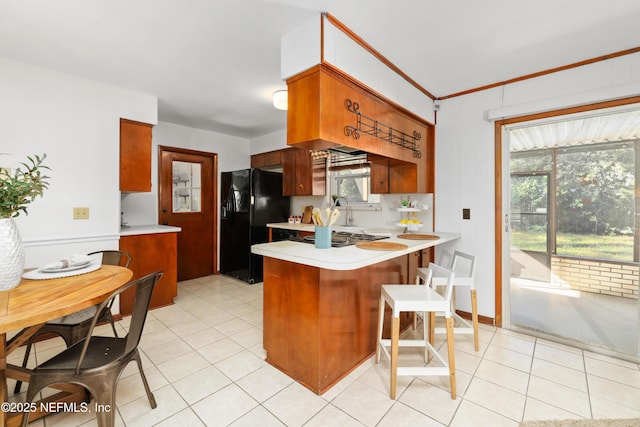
x: 204, y: 360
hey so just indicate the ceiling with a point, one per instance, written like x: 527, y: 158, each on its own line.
x: 213, y: 64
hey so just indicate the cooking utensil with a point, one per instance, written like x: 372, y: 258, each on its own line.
x: 334, y: 216
x: 306, y: 215
x: 316, y: 216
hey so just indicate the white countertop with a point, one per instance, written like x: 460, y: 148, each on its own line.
x: 344, y: 258
x: 134, y: 230
x: 294, y: 227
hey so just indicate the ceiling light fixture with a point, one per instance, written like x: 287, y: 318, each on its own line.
x: 280, y: 99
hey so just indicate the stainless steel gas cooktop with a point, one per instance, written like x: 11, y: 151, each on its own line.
x: 341, y: 238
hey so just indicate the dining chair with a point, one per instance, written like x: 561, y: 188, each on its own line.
x: 73, y: 327
x: 464, y: 267
x: 96, y: 362
x: 424, y: 299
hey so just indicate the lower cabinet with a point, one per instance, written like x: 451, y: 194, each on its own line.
x: 151, y: 253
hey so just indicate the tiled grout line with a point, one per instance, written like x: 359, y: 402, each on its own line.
x: 586, y: 379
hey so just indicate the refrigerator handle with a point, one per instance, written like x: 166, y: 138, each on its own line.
x: 229, y: 205
x: 231, y: 201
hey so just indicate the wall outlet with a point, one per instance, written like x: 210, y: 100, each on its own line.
x: 80, y: 213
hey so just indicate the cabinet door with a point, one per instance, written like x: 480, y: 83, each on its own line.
x: 402, y: 177
x: 273, y: 158
x: 304, y: 173
x: 414, y: 261
x: 289, y: 172
x: 426, y: 256
x: 150, y: 253
x: 301, y: 174
x: 259, y: 160
x: 135, y: 156
x: 270, y: 158
x: 379, y: 176
x: 311, y: 174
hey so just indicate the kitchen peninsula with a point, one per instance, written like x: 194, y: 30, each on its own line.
x: 320, y: 305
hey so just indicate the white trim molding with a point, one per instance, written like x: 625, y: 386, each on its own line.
x: 568, y: 101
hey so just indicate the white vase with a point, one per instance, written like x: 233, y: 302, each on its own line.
x: 11, y: 255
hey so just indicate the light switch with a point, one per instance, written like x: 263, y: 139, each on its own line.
x: 466, y: 213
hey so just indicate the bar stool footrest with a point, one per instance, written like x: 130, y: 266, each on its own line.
x: 385, y: 346
x: 423, y: 371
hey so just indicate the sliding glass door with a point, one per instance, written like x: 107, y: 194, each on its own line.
x: 572, y: 229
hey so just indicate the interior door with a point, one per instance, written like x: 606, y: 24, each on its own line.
x: 187, y: 199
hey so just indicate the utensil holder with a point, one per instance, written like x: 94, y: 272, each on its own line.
x: 323, y: 237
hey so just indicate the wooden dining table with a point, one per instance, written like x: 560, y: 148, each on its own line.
x: 33, y: 303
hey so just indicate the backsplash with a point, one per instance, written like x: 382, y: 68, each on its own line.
x: 386, y: 217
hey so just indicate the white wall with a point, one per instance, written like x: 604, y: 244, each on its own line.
x: 76, y: 122
x: 272, y: 141
x: 385, y: 218
x: 300, y: 50
x: 465, y: 150
x: 343, y: 52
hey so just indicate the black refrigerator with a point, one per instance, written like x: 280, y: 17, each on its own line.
x: 251, y: 198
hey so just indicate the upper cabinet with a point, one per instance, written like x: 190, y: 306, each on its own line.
x: 396, y: 176
x: 328, y: 108
x: 266, y: 160
x: 301, y: 174
x: 135, y: 156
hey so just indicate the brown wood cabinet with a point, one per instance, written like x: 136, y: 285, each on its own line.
x: 135, y: 156
x: 419, y: 259
x: 395, y: 176
x: 301, y: 174
x: 323, y: 103
x: 321, y: 324
x: 268, y: 159
x: 379, y: 174
x: 150, y: 253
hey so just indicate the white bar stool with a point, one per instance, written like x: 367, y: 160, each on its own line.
x: 464, y: 267
x: 407, y: 298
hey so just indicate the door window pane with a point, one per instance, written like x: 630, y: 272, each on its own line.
x: 596, y: 198
x: 186, y: 186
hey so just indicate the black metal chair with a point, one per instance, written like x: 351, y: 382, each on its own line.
x: 96, y: 362
x: 74, y: 327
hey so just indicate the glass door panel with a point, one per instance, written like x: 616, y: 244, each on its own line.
x: 530, y: 226
x: 572, y: 251
x: 186, y: 186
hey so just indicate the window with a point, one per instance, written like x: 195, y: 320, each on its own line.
x: 587, y: 204
x: 595, y: 198
x: 350, y: 177
x: 354, y: 184
x: 186, y: 186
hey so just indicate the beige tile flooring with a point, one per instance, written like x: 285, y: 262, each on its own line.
x: 204, y: 360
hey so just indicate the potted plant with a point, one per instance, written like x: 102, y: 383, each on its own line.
x: 16, y: 192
